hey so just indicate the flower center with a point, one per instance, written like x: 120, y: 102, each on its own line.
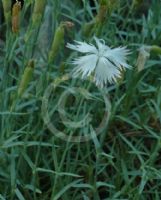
x: 100, y: 53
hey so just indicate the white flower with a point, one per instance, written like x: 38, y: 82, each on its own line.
x: 100, y: 60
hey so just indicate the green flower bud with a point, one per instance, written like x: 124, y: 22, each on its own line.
x: 26, y: 77
x: 38, y: 12
x: 106, y: 7
x: 155, y: 49
x: 37, y: 15
x: 7, y: 10
x: 57, y: 41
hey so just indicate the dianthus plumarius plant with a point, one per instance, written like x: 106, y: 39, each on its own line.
x: 104, y: 62
x: 94, y: 65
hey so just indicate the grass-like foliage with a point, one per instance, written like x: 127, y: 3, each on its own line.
x: 64, y: 138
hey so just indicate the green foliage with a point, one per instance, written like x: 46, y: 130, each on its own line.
x: 123, y: 160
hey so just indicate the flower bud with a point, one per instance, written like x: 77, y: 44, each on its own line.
x: 95, y: 26
x: 26, y: 77
x: 58, y: 39
x: 106, y: 8
x: 16, y: 17
x: 7, y: 10
x: 143, y: 56
x: 37, y: 15
x: 38, y: 12
x: 155, y: 49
